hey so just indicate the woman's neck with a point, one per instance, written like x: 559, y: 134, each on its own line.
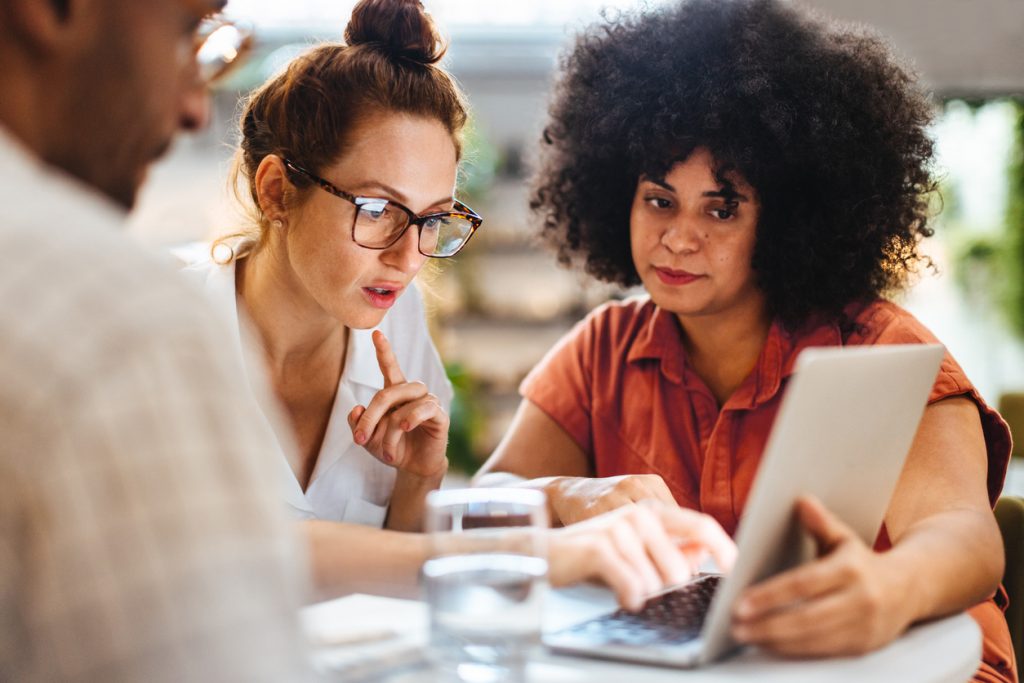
x: 723, y: 348
x: 294, y: 329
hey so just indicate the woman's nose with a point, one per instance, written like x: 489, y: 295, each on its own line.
x: 681, y: 238
x: 405, y: 253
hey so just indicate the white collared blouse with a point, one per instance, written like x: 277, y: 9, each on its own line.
x: 348, y: 484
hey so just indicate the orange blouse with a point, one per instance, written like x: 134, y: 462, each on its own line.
x: 620, y: 386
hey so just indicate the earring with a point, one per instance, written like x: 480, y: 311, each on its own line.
x: 277, y: 223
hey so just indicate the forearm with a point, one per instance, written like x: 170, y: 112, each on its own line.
x: 352, y: 558
x: 549, y: 485
x: 945, y: 563
x: 409, y: 500
x: 536, y: 453
x: 499, y: 479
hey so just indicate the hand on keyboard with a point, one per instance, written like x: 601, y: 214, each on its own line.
x: 638, y: 550
x: 667, y: 619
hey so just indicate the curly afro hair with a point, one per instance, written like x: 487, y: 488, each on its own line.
x: 818, y: 117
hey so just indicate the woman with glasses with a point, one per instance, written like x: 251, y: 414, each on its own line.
x: 350, y: 158
x: 766, y: 176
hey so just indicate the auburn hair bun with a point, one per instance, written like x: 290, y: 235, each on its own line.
x: 401, y: 28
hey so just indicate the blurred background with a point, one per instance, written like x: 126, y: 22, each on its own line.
x: 503, y: 302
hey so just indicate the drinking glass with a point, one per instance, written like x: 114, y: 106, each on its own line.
x: 485, y: 580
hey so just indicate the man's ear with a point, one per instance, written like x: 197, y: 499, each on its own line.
x: 43, y: 26
x: 271, y: 187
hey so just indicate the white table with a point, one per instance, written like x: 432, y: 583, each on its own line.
x: 944, y: 651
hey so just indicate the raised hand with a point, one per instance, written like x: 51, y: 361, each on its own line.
x: 846, y: 602
x: 404, y: 425
x: 638, y: 549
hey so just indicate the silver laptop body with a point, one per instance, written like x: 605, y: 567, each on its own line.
x: 842, y: 433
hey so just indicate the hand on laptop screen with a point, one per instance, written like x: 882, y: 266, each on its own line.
x: 845, y: 588
x: 638, y: 549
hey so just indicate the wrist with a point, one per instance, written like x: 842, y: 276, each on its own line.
x: 554, y: 488
x: 406, y: 509
x: 903, y: 591
x: 420, y: 480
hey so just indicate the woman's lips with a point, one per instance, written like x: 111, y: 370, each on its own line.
x: 381, y: 297
x: 676, y: 277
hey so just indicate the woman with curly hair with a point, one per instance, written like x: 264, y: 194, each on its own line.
x: 765, y: 175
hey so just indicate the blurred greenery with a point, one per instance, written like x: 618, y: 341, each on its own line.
x: 480, y: 160
x: 467, y: 420
x: 1015, y: 227
x: 993, y: 264
x: 477, y: 171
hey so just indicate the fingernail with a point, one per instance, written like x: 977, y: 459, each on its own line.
x: 360, y: 437
x: 405, y: 426
x: 388, y: 458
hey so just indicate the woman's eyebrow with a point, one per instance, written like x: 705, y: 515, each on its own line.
x: 377, y: 186
x: 728, y: 195
x: 384, y: 188
x: 660, y: 182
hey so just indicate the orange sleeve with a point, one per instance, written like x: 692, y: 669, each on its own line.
x: 886, y: 323
x: 561, y: 384
x: 998, y: 663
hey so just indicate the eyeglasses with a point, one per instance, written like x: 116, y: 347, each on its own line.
x: 380, y: 223
x: 220, y: 45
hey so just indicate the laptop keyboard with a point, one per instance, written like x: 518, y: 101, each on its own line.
x: 669, y: 619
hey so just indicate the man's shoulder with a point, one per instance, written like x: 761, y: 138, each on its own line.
x: 75, y: 298
x: 78, y: 275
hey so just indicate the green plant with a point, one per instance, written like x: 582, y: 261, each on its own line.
x: 479, y: 165
x: 1014, y: 225
x: 992, y: 265
x: 467, y: 420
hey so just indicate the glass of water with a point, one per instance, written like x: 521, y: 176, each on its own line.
x: 485, y: 580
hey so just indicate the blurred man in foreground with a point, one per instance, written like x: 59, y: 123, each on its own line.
x: 140, y: 536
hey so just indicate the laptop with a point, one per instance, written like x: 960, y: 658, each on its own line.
x: 842, y: 433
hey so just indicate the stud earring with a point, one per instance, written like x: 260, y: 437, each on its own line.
x: 277, y: 223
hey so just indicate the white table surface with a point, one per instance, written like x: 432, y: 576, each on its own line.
x: 943, y: 651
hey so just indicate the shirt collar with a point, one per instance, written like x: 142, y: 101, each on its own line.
x: 218, y: 282
x: 778, y: 360
x: 662, y: 339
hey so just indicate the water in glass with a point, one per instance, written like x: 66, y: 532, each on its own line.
x: 485, y: 585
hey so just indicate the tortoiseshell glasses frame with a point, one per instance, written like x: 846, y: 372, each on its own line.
x: 379, y: 223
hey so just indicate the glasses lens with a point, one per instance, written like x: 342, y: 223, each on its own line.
x: 378, y: 224
x: 444, y: 235
x: 222, y: 45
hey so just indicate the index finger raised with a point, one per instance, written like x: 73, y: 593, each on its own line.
x: 386, y: 360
